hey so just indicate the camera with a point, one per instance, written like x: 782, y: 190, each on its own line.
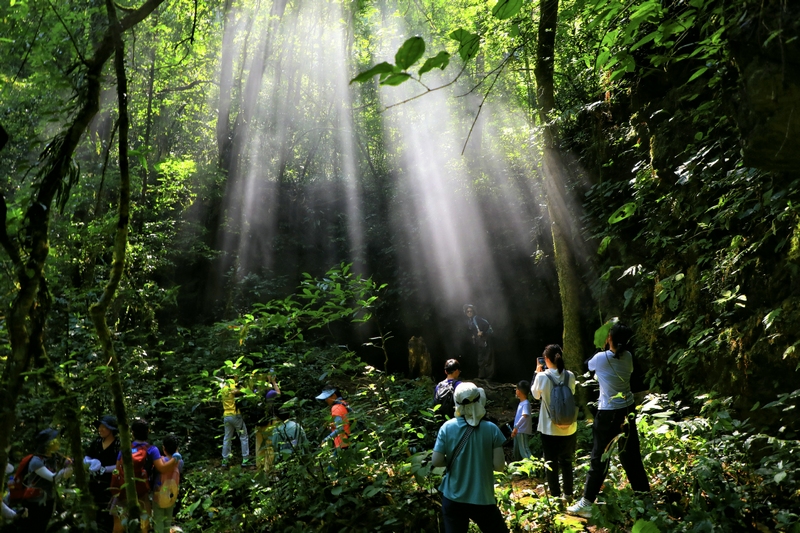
x: 541, y: 362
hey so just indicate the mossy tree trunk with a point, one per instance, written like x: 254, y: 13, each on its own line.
x: 100, y: 308
x: 555, y: 175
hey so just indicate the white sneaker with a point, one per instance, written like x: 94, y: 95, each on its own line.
x: 583, y: 508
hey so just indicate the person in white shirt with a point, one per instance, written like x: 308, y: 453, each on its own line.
x: 558, y: 442
x: 615, y: 416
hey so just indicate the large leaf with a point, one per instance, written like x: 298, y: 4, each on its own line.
x: 396, y: 79
x: 505, y: 9
x: 410, y: 52
x: 468, y: 43
x: 622, y: 213
x: 645, y: 526
x: 601, y: 334
x: 440, y: 60
x: 380, y: 68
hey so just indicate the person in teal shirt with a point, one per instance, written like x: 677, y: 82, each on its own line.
x: 470, y: 448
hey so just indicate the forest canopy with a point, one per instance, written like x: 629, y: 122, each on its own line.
x: 202, y: 192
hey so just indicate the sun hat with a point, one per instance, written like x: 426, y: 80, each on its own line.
x: 470, y: 401
x: 325, y: 394
x: 45, y: 437
x: 109, y: 421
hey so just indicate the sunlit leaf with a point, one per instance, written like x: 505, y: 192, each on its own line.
x: 468, y: 43
x: 396, y: 79
x: 380, y: 68
x: 601, y: 334
x: 505, y: 9
x: 622, y: 213
x: 440, y: 60
x: 645, y: 526
x: 770, y: 317
x: 409, y: 53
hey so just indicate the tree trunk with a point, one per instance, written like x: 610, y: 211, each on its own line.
x: 148, y: 126
x: 29, y: 254
x: 98, y: 310
x: 555, y: 175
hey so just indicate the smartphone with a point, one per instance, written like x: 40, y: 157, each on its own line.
x: 541, y: 362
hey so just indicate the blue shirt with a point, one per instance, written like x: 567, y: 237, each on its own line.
x: 524, y: 423
x: 614, y: 377
x: 469, y: 478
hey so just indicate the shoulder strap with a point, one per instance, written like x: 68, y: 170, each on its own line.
x: 462, y: 443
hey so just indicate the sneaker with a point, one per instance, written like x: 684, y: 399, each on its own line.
x: 246, y: 462
x: 583, y: 508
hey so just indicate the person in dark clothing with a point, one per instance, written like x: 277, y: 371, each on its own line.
x: 101, y: 456
x: 445, y: 390
x: 46, y: 468
x: 479, y: 333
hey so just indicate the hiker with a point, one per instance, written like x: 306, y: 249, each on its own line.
x: 146, y: 458
x: 558, y: 442
x: 288, y: 438
x: 443, y: 395
x: 616, y: 415
x: 101, y: 456
x: 34, y: 484
x: 266, y: 424
x: 470, y: 448
x: 233, y: 422
x: 340, y: 425
x: 523, y: 425
x: 165, y: 487
x: 479, y: 332
x: 8, y: 514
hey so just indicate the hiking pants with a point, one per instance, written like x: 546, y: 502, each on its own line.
x: 559, y: 452
x: 457, y: 515
x: 607, y: 425
x: 521, y: 448
x: 234, y: 423
x: 485, y: 362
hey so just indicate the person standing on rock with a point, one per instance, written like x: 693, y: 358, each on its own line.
x: 479, y: 333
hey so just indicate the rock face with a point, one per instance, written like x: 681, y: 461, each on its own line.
x: 767, y: 54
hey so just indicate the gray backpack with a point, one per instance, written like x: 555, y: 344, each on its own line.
x: 562, y: 410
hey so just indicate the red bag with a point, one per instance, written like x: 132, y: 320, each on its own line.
x: 18, y: 490
x: 141, y: 472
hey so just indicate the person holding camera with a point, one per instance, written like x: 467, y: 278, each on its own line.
x: 615, y: 416
x: 558, y: 441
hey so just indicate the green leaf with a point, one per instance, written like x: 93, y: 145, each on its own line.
x: 622, y: 213
x: 603, y: 244
x: 770, y: 317
x: 645, y: 526
x: 697, y: 73
x: 780, y: 476
x: 505, y: 9
x: 380, y: 68
x: 601, y: 334
x: 643, y: 41
x: 468, y: 43
x: 441, y: 60
x: 396, y: 79
x: 410, y: 52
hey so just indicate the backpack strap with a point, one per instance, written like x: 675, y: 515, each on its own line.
x: 462, y: 442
